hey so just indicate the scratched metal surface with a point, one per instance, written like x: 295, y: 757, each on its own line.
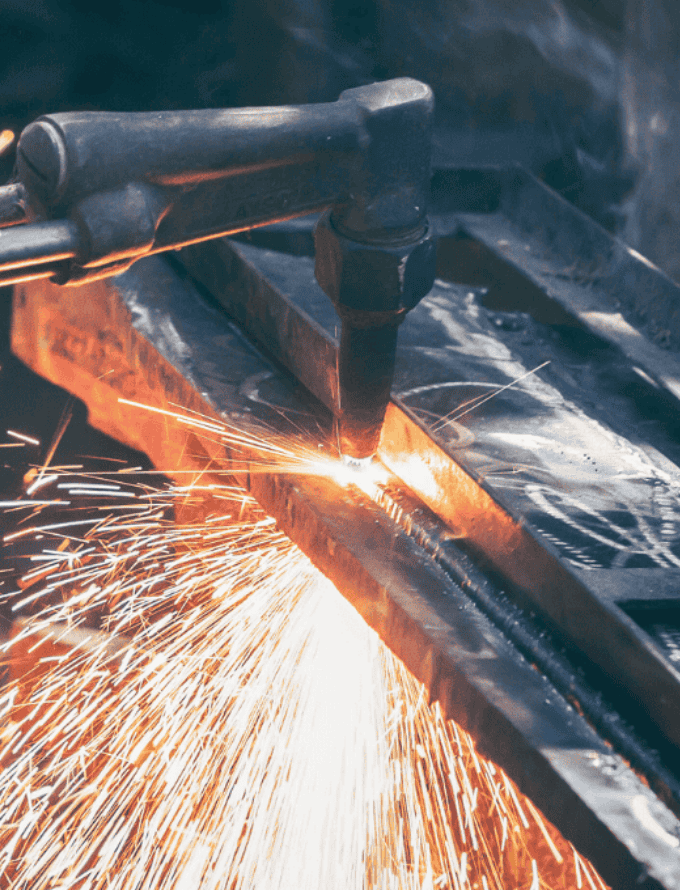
x: 587, y: 446
x: 571, y: 448
x: 552, y: 441
x: 582, y: 446
x: 603, y: 499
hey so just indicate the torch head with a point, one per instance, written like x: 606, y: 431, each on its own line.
x: 372, y: 285
x: 375, y: 257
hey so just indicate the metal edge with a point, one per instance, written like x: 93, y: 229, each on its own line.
x: 515, y: 716
x: 471, y: 509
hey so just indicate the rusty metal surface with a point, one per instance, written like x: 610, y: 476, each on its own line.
x: 146, y: 336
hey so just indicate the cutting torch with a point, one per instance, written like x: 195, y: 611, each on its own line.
x: 93, y: 192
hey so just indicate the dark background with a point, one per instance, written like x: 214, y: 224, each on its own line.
x: 583, y: 92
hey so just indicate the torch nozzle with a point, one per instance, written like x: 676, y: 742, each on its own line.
x: 365, y: 371
x: 357, y: 463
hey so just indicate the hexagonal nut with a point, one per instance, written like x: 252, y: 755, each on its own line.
x: 372, y: 277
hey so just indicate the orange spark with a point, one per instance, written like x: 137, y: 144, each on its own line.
x: 194, y: 706
x: 6, y: 141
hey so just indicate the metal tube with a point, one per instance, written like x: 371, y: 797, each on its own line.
x: 65, y: 157
x: 41, y: 243
x: 32, y: 273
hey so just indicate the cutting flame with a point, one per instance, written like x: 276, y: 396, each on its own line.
x: 195, y: 706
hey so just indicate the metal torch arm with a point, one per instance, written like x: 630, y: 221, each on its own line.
x: 131, y: 184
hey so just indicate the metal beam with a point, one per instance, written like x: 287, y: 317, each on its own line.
x: 572, y: 464
x: 147, y: 336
